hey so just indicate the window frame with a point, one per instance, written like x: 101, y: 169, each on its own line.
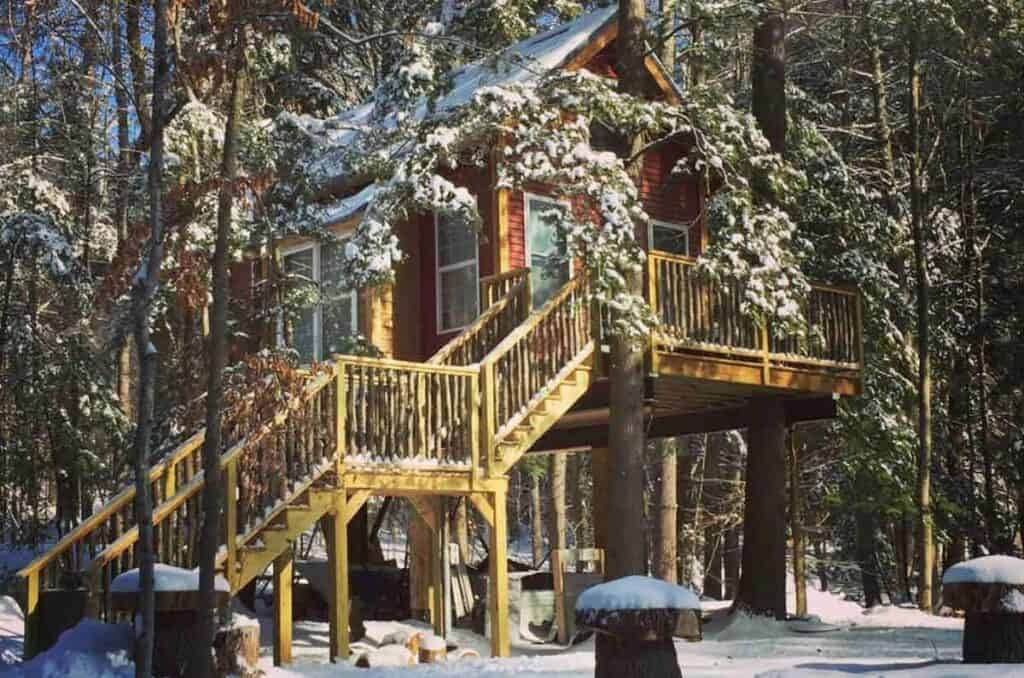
x: 318, y: 309
x: 671, y: 225
x: 439, y: 270
x: 528, y: 249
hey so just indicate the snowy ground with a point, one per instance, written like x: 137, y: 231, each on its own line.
x: 892, y: 642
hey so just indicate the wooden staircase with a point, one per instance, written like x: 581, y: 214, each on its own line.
x: 453, y: 425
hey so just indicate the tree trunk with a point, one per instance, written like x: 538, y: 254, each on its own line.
x: 797, y: 527
x: 556, y: 530
x: 867, y: 560
x: 732, y: 554
x: 762, y: 589
x: 926, y: 538
x: 625, y: 508
x: 665, y: 544
x: 143, y: 292
x: 768, y: 77
x: 713, y: 488
x: 667, y: 53
x: 213, y: 491
x: 536, y: 523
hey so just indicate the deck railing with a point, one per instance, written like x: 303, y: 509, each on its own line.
x: 505, y: 300
x: 530, y: 359
x: 700, y: 316
x: 408, y: 414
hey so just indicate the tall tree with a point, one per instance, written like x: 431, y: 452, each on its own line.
x: 625, y: 548
x: 762, y: 588
x: 144, y: 291
x: 926, y: 538
x: 213, y: 490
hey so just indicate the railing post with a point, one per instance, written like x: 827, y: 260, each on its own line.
x: 652, y: 299
x: 31, y: 615
x: 473, y: 402
x: 231, y: 520
x: 487, y: 414
x: 765, y: 353
x: 859, y: 329
x: 340, y: 424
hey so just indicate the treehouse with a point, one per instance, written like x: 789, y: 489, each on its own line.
x: 490, y: 350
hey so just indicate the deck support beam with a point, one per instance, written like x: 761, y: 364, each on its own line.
x: 500, y: 642
x: 437, y: 583
x: 336, y: 534
x: 283, y: 608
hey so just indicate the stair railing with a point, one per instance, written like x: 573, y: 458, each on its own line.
x: 530, y: 360
x: 505, y: 300
x: 260, y: 473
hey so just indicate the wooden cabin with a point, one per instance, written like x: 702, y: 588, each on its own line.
x: 490, y: 352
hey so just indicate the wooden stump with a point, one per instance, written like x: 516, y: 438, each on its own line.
x: 433, y: 650
x: 993, y: 638
x: 237, y: 650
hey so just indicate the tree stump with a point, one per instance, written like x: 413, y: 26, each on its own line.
x: 635, y: 619
x: 990, y: 590
x: 237, y: 648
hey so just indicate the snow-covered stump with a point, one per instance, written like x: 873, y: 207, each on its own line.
x: 990, y: 591
x: 635, y: 619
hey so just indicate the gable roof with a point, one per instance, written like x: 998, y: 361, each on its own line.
x: 568, y: 45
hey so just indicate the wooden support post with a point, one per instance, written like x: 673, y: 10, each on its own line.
x: 231, y: 521
x: 337, y: 564
x: 437, y: 568
x: 283, y: 608
x: 558, y: 584
x: 499, y: 576
x: 599, y: 471
x: 340, y: 424
x: 488, y: 407
x: 31, y: 647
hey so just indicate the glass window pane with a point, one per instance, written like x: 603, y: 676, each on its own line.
x: 338, y: 318
x: 456, y: 242
x: 458, y: 296
x: 299, y: 268
x: 667, y: 239
x: 549, y: 269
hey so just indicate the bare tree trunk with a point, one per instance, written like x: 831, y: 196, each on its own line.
x: 796, y: 526
x: 625, y: 506
x: 924, y: 377
x: 768, y: 77
x: 143, y: 292
x: 667, y: 53
x: 665, y: 544
x: 536, y: 523
x: 213, y: 490
x: 124, y: 365
x: 712, y: 483
x: 762, y: 589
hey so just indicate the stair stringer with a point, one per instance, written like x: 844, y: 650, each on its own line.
x: 543, y: 412
x: 260, y: 546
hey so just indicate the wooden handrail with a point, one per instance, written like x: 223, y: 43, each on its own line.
x: 515, y: 301
x: 494, y: 287
x: 121, y: 500
x: 535, y: 318
x: 390, y: 363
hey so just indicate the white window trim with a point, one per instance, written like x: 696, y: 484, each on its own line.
x: 682, y: 228
x: 318, y: 309
x: 527, y: 197
x: 439, y: 269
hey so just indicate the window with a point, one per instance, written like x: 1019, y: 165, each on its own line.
x: 458, y: 274
x: 671, y: 238
x: 319, y: 328
x: 545, y: 250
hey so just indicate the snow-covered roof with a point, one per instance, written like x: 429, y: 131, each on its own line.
x: 525, y: 61
x: 637, y: 593
x: 987, y: 570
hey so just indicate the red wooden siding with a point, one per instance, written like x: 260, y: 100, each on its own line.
x: 674, y: 199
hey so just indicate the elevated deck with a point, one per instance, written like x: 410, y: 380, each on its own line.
x: 516, y: 380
